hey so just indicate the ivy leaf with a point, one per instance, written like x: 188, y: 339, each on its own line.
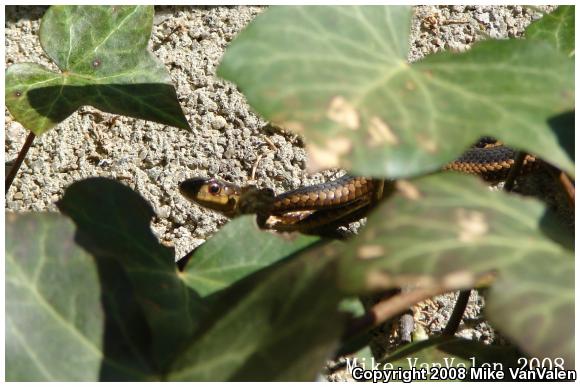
x: 114, y: 225
x: 448, y: 352
x: 452, y: 230
x: 64, y: 320
x: 104, y: 61
x: 280, y: 323
x: 237, y: 250
x: 36, y: 291
x: 534, y: 306
x: 120, y: 306
x: 556, y: 27
x: 340, y: 76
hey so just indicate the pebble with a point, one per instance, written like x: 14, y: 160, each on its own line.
x: 14, y: 131
x: 218, y: 123
x: 229, y: 153
x: 164, y: 212
x: 483, y: 17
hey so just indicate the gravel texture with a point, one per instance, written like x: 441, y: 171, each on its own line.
x: 227, y: 139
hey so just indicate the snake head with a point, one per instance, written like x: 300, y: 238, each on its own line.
x: 217, y: 195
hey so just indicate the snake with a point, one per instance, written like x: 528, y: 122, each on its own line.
x: 326, y: 206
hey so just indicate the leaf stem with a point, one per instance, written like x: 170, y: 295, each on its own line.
x: 18, y: 162
x: 392, y: 307
x: 457, y: 314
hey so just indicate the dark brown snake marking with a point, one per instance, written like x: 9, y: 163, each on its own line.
x: 492, y: 163
x: 332, y: 194
x: 335, y: 202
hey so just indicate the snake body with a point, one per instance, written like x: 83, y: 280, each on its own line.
x: 332, y: 194
x: 336, y: 202
x: 492, y: 163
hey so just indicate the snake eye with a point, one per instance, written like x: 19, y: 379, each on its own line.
x: 214, y: 188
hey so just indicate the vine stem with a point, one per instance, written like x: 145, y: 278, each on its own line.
x: 391, y: 307
x: 457, y: 314
x: 18, y: 162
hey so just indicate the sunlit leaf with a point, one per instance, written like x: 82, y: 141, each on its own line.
x: 38, y: 289
x: 119, y: 305
x: 451, y: 230
x: 556, y: 27
x: 340, y: 76
x: 278, y: 324
x: 65, y: 321
x: 102, y: 54
x: 237, y: 250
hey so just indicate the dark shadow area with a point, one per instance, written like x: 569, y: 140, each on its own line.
x: 14, y: 13
x: 149, y: 312
x: 169, y: 9
x: 156, y: 327
x: 270, y: 129
x: 563, y: 126
x: 553, y: 227
x: 544, y: 182
x: 127, y: 337
x: 149, y: 101
x: 34, y: 12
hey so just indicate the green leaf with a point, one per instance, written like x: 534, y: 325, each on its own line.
x: 104, y: 61
x: 237, y: 250
x: 445, y: 352
x: 125, y: 313
x: 64, y: 320
x: 534, y: 306
x: 42, y: 262
x: 451, y: 230
x: 278, y: 324
x: 114, y: 225
x: 340, y: 75
x: 557, y: 28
